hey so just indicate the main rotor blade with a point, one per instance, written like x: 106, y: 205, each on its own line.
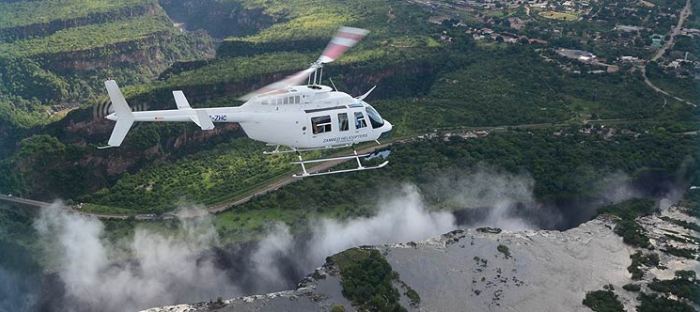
x: 293, y: 80
x: 346, y: 38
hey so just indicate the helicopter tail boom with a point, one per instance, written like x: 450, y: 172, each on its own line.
x: 125, y: 118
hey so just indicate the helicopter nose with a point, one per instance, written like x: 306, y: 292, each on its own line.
x: 386, y: 130
x: 112, y: 116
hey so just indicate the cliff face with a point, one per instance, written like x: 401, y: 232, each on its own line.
x: 47, y: 28
x: 470, y: 269
x: 219, y: 18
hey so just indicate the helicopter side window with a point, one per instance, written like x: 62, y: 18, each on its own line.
x: 360, y: 121
x: 321, y: 124
x: 286, y: 100
x: 279, y: 101
x: 297, y: 99
x: 343, y: 123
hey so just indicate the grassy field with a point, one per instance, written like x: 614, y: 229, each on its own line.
x: 21, y: 13
x: 560, y: 16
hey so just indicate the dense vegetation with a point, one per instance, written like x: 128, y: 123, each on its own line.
x: 424, y: 84
x: 366, y: 278
x: 632, y: 287
x: 684, y: 285
x: 19, y: 13
x: 603, y: 300
x: 55, y: 54
x: 626, y: 226
x: 86, y: 37
x: 638, y: 259
x: 207, y: 178
x: 656, y: 303
x: 566, y: 168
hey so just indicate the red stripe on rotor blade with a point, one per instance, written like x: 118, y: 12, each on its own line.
x: 347, y: 35
x: 335, y: 50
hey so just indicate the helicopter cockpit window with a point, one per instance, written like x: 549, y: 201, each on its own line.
x: 343, y: 123
x: 360, y: 120
x: 321, y: 124
x: 374, y: 118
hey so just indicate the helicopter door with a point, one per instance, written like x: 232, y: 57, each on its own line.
x: 360, y: 122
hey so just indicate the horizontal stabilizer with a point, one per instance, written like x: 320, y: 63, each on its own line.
x: 124, y: 116
x: 119, y: 133
x: 199, y: 116
x: 203, y: 120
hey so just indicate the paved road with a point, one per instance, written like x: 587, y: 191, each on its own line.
x: 685, y: 12
x: 40, y: 204
x: 657, y: 89
x: 24, y: 201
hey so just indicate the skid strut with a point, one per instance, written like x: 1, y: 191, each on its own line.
x: 305, y: 172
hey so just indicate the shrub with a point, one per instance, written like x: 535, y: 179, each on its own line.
x: 639, y: 259
x: 632, y: 287
x: 684, y: 285
x: 603, y: 301
x: 504, y: 250
x: 655, y: 303
x: 366, y: 278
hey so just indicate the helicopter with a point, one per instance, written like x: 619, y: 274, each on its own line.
x: 294, y: 118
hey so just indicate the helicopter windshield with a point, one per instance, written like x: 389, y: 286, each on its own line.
x: 374, y: 117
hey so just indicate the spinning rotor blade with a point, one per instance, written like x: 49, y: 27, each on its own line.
x: 293, y: 80
x: 346, y: 38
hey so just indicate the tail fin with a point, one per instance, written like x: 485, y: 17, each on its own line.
x: 124, y: 116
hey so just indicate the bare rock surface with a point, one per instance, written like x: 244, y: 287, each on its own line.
x: 488, y: 270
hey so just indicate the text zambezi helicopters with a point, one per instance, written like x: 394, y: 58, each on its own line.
x: 284, y: 113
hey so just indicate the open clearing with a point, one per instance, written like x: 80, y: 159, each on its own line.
x: 559, y: 16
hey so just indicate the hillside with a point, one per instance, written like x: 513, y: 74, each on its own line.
x: 419, y: 90
x: 55, y: 54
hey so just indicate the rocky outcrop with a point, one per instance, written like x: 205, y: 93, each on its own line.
x: 489, y: 271
x: 145, y: 51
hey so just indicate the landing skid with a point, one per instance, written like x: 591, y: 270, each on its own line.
x: 360, y: 167
x: 277, y: 149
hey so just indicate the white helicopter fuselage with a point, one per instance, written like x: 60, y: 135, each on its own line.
x: 300, y: 117
x: 283, y: 113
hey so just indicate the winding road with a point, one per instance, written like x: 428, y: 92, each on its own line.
x: 685, y: 12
